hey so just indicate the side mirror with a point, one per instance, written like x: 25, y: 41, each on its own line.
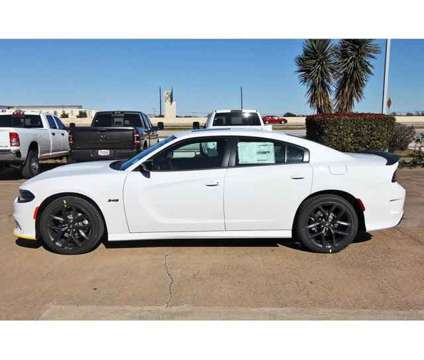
x: 196, y: 125
x: 145, y: 168
x: 72, y: 125
x: 160, y: 125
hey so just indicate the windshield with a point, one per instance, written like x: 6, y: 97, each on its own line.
x: 236, y: 118
x: 145, y: 152
x: 24, y: 121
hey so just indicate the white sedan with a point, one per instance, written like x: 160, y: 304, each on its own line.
x: 214, y: 184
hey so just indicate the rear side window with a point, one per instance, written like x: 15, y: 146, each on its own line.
x: 117, y: 120
x: 259, y: 151
x: 52, y: 124
x: 24, y: 121
x: 236, y: 118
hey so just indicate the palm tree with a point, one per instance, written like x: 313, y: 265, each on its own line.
x: 353, y: 69
x: 315, y: 68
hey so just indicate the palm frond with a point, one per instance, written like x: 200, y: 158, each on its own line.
x: 353, y: 70
x: 315, y: 67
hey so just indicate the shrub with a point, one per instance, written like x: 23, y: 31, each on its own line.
x: 82, y: 114
x: 64, y: 115
x: 403, y: 135
x: 351, y: 132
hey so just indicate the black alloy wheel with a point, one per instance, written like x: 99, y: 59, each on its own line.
x: 71, y: 225
x: 327, y: 223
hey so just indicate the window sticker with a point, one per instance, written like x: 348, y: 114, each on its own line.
x: 256, y: 153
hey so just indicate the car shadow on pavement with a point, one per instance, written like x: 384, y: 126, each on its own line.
x: 179, y: 243
x: 289, y: 243
x: 14, y: 174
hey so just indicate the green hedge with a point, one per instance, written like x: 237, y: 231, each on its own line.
x: 351, y: 132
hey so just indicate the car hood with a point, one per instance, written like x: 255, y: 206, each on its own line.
x: 84, y: 168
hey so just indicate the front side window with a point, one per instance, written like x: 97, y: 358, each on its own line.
x: 195, y: 154
x: 60, y: 123
x: 259, y: 151
x: 52, y: 124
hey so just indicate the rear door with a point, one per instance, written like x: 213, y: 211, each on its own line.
x: 56, y: 143
x: 63, y: 135
x: 265, y: 185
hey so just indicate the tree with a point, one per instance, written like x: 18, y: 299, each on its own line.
x: 352, y: 71
x: 316, y: 67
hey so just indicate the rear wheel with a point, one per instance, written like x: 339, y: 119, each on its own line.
x: 71, y: 225
x: 31, y: 166
x: 326, y: 223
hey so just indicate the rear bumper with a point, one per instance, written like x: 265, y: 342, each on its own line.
x: 386, y: 212
x: 93, y: 155
x: 10, y: 156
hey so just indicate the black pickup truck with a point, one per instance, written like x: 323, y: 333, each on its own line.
x: 112, y: 135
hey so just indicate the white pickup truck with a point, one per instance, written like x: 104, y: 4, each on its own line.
x: 27, y: 137
x: 235, y: 118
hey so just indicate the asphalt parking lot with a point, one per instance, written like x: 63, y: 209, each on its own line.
x: 381, y: 276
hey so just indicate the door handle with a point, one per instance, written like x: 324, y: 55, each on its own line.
x: 63, y: 134
x: 297, y: 177
x: 216, y: 183
x: 53, y: 133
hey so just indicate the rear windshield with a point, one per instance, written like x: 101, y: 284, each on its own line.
x: 117, y: 120
x: 236, y: 118
x: 22, y: 121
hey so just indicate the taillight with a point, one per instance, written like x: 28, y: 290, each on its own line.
x: 394, y: 177
x: 14, y: 139
x: 360, y: 204
x: 70, y: 139
x: 137, y: 142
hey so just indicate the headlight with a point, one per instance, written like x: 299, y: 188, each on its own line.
x: 25, y: 196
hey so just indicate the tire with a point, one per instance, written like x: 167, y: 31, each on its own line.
x: 282, y: 122
x: 145, y: 146
x: 71, y: 225
x: 326, y: 223
x: 31, y: 166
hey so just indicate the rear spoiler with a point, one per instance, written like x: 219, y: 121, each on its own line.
x: 390, y: 158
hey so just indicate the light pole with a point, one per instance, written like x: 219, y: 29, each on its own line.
x: 386, y: 77
x: 241, y: 97
x: 160, y: 101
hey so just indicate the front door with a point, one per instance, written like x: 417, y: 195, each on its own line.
x: 266, y: 184
x: 183, y: 191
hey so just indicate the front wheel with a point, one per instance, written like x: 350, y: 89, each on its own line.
x: 71, y: 225
x: 326, y: 223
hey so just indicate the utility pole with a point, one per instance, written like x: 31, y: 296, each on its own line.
x: 160, y: 101
x: 386, y: 77
x: 241, y: 98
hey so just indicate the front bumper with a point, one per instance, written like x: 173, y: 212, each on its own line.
x: 23, y: 213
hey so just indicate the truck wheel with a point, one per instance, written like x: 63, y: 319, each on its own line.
x: 71, y: 225
x: 326, y: 223
x: 31, y: 166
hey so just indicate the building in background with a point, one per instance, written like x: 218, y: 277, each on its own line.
x: 63, y: 111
